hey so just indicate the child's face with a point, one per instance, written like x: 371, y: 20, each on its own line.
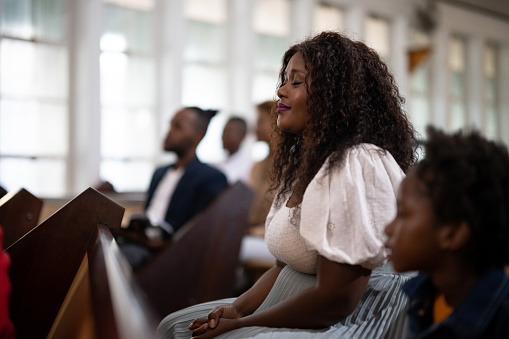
x: 413, y: 234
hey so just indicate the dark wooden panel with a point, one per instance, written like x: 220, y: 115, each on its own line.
x: 19, y: 214
x: 200, y: 262
x: 119, y: 308
x: 45, y: 260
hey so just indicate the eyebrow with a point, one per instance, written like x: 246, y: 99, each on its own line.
x: 296, y: 71
x: 293, y: 72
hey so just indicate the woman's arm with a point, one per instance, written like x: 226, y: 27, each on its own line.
x: 338, y: 290
x: 249, y: 301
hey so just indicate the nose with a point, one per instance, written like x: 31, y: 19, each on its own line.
x: 281, y: 92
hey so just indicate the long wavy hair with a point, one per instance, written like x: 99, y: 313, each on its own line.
x: 352, y: 99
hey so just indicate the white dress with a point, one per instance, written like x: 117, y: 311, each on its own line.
x: 341, y: 217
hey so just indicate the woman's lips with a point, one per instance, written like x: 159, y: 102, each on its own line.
x: 282, y: 108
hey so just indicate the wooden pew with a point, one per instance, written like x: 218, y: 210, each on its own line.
x: 19, y: 213
x: 69, y: 281
x: 200, y: 262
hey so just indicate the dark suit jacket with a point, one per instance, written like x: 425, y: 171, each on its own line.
x: 199, y: 185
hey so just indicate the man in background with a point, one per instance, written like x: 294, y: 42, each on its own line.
x: 181, y: 190
x: 238, y: 164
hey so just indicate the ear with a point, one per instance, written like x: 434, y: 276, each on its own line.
x: 452, y: 237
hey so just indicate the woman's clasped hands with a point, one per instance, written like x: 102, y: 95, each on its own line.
x: 220, y: 320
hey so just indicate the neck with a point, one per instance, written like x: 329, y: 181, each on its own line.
x: 232, y: 151
x: 454, y: 281
x: 184, y: 159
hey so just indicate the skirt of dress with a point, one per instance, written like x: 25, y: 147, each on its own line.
x: 381, y: 313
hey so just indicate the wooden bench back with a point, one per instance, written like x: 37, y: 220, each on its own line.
x: 45, y: 261
x: 19, y: 214
x: 200, y: 262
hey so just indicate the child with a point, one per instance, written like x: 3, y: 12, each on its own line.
x: 452, y: 225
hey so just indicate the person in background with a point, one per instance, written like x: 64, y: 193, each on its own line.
x: 181, y: 190
x: 254, y: 255
x: 342, y: 147
x: 259, y: 177
x: 238, y: 164
x: 452, y: 225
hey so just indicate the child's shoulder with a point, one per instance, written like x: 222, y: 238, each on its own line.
x: 499, y: 325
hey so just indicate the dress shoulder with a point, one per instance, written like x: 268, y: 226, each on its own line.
x: 345, y: 209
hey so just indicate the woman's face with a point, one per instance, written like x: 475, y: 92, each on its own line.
x: 292, y: 114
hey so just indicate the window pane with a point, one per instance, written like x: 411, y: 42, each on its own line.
x: 133, y: 26
x: 457, y: 54
x: 206, y: 42
x: 457, y: 93
x: 42, y: 177
x: 49, y: 20
x: 127, y: 176
x: 420, y: 114
x: 490, y: 91
x: 378, y: 36
x: 29, y: 69
x: 46, y: 134
x: 264, y: 86
x: 457, y: 115
x: 211, y: 11
x: 136, y: 4
x: 204, y: 87
x: 270, y: 52
x: 127, y: 80
x: 210, y: 148
x: 491, y: 123
x: 17, y: 18
x: 327, y: 18
x: 457, y: 84
x: 272, y: 17
x: 127, y: 133
x: 33, y: 19
x: 419, y: 79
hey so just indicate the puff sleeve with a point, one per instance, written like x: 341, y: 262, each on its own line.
x: 344, y: 212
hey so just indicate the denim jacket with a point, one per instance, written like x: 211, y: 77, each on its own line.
x: 483, y: 313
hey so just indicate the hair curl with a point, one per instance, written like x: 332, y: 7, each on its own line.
x: 352, y: 99
x: 467, y: 180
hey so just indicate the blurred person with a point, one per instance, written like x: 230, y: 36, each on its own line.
x: 259, y: 177
x: 238, y: 164
x: 452, y: 225
x: 253, y: 251
x: 181, y: 190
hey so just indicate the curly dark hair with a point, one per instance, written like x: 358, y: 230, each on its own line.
x: 352, y: 99
x: 467, y: 180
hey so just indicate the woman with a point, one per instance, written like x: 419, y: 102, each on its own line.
x: 342, y: 146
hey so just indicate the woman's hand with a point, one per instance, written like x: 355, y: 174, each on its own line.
x: 213, y: 324
x: 224, y: 318
x: 223, y: 326
x: 224, y: 311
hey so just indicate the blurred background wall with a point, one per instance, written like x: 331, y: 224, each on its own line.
x: 87, y: 87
